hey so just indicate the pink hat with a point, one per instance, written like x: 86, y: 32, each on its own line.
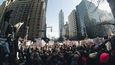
x: 104, y: 57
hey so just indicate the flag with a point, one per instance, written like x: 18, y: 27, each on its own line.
x: 18, y: 25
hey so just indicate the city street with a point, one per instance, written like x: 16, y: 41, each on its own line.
x: 57, y: 32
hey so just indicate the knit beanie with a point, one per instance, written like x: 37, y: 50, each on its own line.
x: 104, y: 57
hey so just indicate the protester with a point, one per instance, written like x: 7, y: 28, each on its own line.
x: 84, y: 52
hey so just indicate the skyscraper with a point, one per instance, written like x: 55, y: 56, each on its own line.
x: 90, y: 19
x: 112, y: 5
x: 32, y: 13
x: 72, y: 24
x: 81, y: 11
x: 61, y: 24
x: 2, y: 7
x: 3, y: 10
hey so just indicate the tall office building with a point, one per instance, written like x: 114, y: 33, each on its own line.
x: 90, y: 20
x: 80, y: 12
x: 4, y: 14
x: 72, y: 24
x: 112, y: 5
x: 2, y: 7
x: 96, y: 18
x: 32, y: 13
x: 61, y: 24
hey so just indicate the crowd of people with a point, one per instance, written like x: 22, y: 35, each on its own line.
x: 84, y: 53
x: 97, y: 52
x: 67, y: 53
